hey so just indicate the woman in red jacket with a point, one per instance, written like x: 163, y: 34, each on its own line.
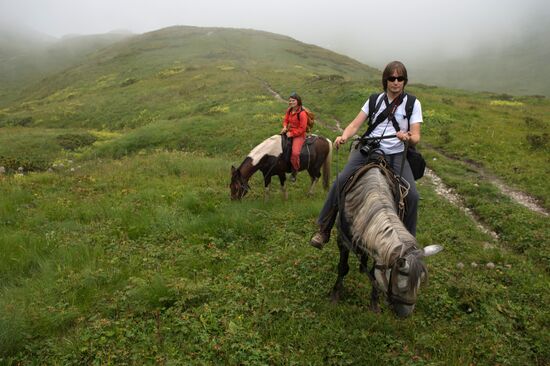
x: 294, y: 126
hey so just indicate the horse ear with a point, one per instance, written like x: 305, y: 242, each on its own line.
x: 233, y: 169
x: 432, y: 249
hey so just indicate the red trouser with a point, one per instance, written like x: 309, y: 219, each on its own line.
x: 297, y: 142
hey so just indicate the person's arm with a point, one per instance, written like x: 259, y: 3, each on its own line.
x: 413, y: 136
x: 351, y: 129
x: 285, y: 123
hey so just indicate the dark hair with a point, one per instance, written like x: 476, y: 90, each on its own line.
x: 390, y: 68
x: 294, y: 95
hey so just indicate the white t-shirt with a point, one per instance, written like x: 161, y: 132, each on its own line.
x: 393, y: 145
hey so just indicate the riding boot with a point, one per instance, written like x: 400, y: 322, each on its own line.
x: 320, y: 238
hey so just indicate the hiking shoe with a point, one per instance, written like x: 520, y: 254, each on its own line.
x: 319, y: 239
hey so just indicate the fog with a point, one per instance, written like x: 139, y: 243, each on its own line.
x: 370, y: 31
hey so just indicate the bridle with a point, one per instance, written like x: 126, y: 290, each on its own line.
x: 242, y: 186
x: 393, y: 271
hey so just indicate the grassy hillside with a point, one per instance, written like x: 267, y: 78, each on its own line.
x: 124, y: 248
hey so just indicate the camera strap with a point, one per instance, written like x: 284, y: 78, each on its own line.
x: 387, y: 113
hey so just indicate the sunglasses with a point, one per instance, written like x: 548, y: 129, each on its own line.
x: 398, y: 78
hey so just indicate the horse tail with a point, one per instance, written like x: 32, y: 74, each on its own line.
x: 326, y: 165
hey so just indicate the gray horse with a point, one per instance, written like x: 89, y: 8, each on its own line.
x: 372, y: 227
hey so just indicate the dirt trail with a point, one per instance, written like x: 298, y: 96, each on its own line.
x: 519, y: 197
x: 514, y: 194
x: 450, y: 195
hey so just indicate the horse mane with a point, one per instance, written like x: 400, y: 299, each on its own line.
x: 375, y: 226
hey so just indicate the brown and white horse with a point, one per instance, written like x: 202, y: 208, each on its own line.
x: 268, y: 158
x: 372, y: 227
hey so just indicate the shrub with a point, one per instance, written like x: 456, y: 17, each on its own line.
x: 533, y: 123
x: 505, y: 96
x: 16, y: 121
x: 128, y: 82
x: 24, y: 122
x: 28, y: 163
x: 447, y: 101
x: 445, y: 136
x: 72, y: 141
x: 538, y: 142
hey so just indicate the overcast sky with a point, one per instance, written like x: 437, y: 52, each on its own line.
x: 371, y: 31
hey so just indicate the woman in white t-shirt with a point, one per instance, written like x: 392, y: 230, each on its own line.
x: 394, y: 79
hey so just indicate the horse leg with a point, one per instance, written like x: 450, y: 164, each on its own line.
x: 374, y: 296
x: 363, y: 268
x: 266, y: 193
x: 343, y: 269
x: 267, y: 184
x: 312, y: 186
x: 282, y: 178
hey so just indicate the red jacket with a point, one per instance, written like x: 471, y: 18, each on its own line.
x: 296, y: 122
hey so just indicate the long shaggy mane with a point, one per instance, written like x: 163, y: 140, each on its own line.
x: 376, y: 228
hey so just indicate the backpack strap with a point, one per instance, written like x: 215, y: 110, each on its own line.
x: 373, y: 108
x: 409, y: 106
x: 385, y: 114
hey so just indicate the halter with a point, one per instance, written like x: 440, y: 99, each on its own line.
x: 393, y: 298
x: 243, y: 188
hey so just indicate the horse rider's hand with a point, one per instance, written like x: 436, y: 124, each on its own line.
x: 284, y: 130
x: 403, y: 136
x: 339, y: 141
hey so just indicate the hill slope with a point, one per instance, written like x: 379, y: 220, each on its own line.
x: 125, y: 248
x: 199, y: 76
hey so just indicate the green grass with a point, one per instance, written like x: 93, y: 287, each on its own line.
x: 147, y: 259
x: 129, y: 250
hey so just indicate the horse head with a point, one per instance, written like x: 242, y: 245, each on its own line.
x: 239, y: 186
x: 402, y: 281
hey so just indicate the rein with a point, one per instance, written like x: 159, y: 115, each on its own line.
x: 244, y: 188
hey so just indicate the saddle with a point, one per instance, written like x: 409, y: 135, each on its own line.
x: 305, y: 154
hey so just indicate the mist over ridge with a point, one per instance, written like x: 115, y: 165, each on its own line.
x: 446, y: 37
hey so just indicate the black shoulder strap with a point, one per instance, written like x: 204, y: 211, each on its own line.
x: 373, y: 108
x: 409, y: 106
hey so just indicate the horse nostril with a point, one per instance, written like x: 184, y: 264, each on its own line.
x: 403, y: 311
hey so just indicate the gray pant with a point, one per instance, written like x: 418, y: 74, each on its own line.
x: 356, y: 160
